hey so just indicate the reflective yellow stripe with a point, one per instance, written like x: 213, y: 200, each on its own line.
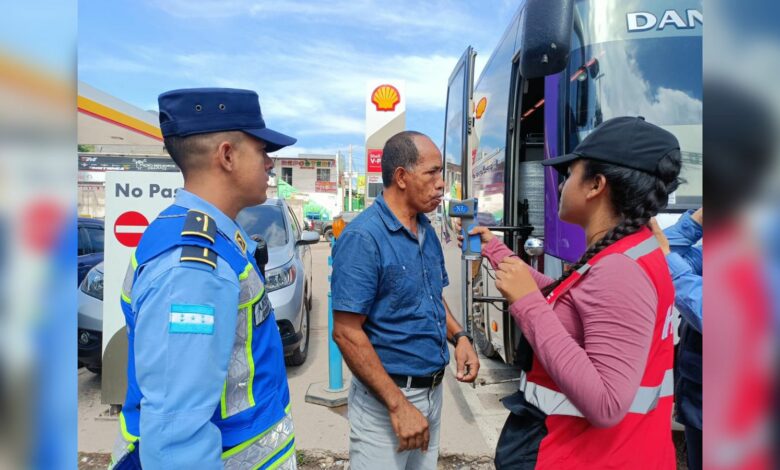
x: 235, y: 450
x: 250, y: 359
x: 126, y: 298
x: 133, y: 261
x: 123, y: 427
x: 245, y: 274
x: 288, y: 408
x: 223, y: 401
x: 253, y: 300
x: 281, y: 459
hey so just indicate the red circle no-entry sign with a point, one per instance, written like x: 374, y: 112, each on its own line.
x: 129, y: 227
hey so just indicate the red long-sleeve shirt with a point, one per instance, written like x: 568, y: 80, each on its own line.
x: 594, y: 342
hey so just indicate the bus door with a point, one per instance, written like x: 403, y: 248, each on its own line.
x: 458, y: 130
x: 524, y: 198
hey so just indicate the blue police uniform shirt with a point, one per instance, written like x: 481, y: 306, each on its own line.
x: 685, y: 266
x: 181, y: 374
x: 394, y: 278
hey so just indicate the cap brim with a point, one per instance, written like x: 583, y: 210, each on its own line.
x: 561, y: 163
x: 274, y: 140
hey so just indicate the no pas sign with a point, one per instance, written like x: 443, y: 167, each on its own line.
x: 127, y: 190
x: 133, y: 201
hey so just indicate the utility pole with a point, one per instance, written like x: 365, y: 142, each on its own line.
x: 350, y: 177
x: 339, y: 194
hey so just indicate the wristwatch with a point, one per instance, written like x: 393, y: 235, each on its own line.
x: 459, y: 335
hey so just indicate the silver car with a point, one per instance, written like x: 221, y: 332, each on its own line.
x: 90, y: 319
x: 287, y: 273
x: 287, y: 281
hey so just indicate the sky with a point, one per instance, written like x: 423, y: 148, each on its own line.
x: 308, y: 60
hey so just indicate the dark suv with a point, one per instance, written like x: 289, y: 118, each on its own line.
x: 315, y: 223
x: 90, y: 251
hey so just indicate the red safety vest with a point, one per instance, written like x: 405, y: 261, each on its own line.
x: 643, y: 439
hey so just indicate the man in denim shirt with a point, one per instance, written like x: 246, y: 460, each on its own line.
x: 390, y: 319
x: 679, y: 243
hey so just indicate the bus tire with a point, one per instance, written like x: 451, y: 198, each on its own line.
x: 481, y: 341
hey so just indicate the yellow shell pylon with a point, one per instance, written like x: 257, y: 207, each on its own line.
x: 481, y: 107
x: 385, y: 97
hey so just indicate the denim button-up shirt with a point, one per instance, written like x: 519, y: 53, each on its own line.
x: 686, y: 267
x: 394, y: 278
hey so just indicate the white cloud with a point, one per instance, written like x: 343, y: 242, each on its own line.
x: 114, y: 64
x: 319, y: 91
x: 312, y: 86
x: 400, y: 18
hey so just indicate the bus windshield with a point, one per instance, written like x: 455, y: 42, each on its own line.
x: 658, y: 78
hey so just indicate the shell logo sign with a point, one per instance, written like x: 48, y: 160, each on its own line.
x: 385, y: 97
x: 481, y: 107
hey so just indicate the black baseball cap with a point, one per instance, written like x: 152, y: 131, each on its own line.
x: 625, y: 141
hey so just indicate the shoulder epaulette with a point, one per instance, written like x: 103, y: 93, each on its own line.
x: 199, y: 255
x: 199, y: 224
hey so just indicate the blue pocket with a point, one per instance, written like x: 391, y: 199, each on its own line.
x: 406, y: 286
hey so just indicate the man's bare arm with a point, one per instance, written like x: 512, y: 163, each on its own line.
x: 409, y: 424
x: 362, y: 359
x: 466, y: 357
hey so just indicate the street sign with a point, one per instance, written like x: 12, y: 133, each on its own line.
x: 129, y: 227
x: 133, y: 200
x: 374, y: 164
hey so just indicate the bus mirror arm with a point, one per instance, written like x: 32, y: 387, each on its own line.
x: 524, y: 230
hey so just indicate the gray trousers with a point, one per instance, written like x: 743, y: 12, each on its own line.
x: 372, y: 442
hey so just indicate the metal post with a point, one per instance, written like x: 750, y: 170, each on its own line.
x: 339, y: 191
x: 335, y: 375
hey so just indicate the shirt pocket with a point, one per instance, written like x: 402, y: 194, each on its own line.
x: 436, y: 278
x: 405, y: 286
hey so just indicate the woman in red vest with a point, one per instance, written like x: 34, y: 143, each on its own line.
x: 598, y: 393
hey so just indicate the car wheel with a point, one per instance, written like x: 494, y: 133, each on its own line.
x: 329, y: 235
x: 298, y: 357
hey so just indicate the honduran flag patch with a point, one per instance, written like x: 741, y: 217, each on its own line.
x: 198, y: 319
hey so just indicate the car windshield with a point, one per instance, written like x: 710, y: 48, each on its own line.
x: 266, y: 221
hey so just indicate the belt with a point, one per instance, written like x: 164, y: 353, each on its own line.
x: 407, y: 381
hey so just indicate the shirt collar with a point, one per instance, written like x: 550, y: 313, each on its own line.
x: 390, y: 220
x: 227, y: 225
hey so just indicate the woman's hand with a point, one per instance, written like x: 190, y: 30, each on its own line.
x: 485, y: 234
x: 513, y: 279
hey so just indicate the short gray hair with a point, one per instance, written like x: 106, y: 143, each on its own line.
x: 400, y: 152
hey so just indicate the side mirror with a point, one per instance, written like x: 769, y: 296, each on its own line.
x: 546, y: 37
x: 261, y: 253
x: 534, y: 248
x: 308, y: 238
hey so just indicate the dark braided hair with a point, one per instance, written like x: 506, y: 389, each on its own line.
x: 636, y: 197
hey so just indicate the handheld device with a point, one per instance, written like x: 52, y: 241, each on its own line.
x: 466, y: 210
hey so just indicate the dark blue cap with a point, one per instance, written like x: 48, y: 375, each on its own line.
x: 626, y: 141
x: 204, y: 110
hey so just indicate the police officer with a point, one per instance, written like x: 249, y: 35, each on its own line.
x: 206, y: 377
